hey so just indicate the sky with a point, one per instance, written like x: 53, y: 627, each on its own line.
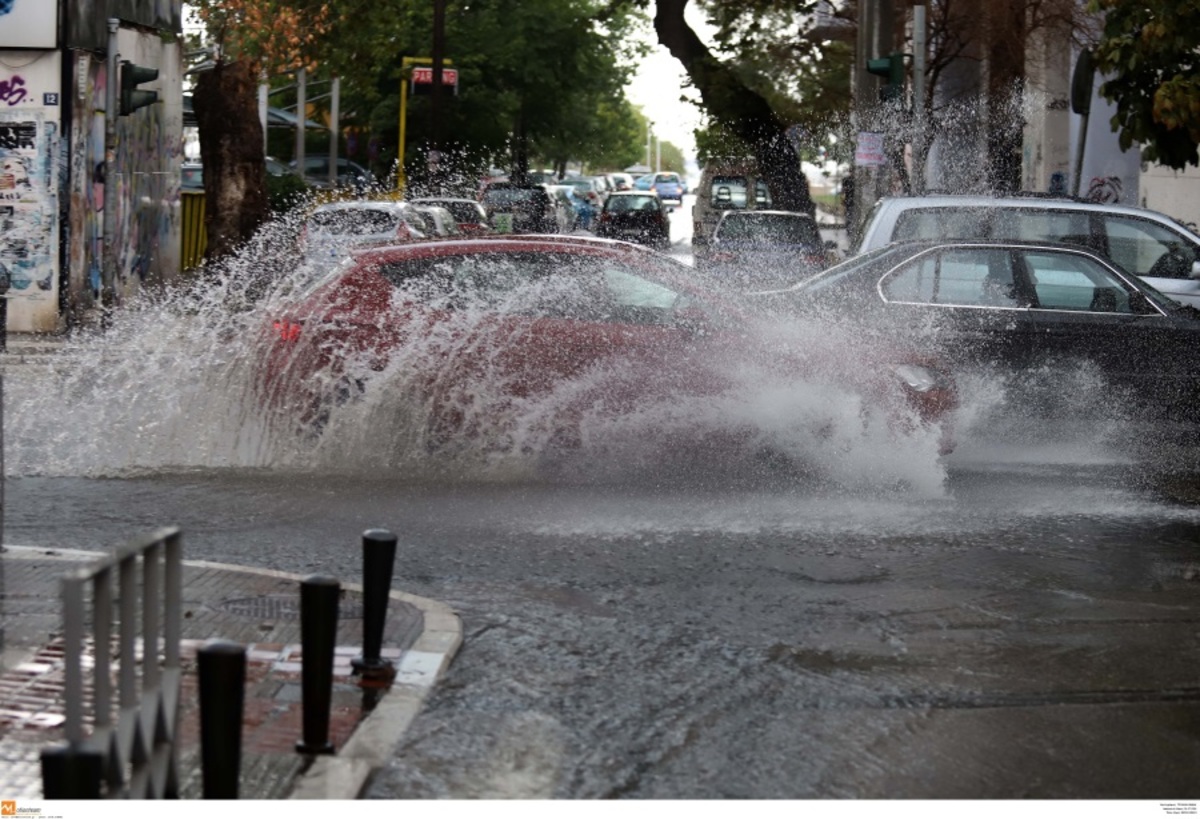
x: 657, y: 86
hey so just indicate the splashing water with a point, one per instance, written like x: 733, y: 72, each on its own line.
x: 171, y: 385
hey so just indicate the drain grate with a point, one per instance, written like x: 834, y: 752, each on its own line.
x: 282, y: 607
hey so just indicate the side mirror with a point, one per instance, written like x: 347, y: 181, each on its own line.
x: 1195, y: 274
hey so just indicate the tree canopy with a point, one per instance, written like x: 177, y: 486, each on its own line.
x: 1149, y: 51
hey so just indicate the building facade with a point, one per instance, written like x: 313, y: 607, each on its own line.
x: 56, y: 172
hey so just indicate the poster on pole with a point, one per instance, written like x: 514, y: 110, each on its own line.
x: 868, y: 151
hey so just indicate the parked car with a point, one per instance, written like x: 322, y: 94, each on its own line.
x: 333, y: 229
x: 192, y: 176
x: 725, y: 185
x: 569, y: 209
x: 669, y: 186
x: 1022, y: 308
x: 515, y: 208
x: 440, y: 221
x: 468, y: 213
x: 479, y: 329
x: 765, y: 248
x: 587, y: 188
x: 621, y: 181
x: 635, y: 216
x: 1162, y: 250
x: 349, y: 173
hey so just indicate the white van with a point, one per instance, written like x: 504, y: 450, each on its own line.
x: 725, y: 184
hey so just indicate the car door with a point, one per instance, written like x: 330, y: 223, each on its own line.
x: 1163, y: 256
x: 1086, y: 312
x: 966, y: 302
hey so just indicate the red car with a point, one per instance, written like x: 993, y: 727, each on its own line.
x: 520, y: 343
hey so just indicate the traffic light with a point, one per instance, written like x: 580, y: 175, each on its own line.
x: 891, y: 67
x: 133, y: 98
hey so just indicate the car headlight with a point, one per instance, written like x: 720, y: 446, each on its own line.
x: 918, y: 378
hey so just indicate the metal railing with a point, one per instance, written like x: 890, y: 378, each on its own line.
x: 130, y: 753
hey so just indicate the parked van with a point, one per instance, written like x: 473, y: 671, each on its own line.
x: 725, y: 185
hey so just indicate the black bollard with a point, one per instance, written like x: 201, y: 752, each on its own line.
x: 318, y: 635
x: 71, y: 773
x: 379, y: 555
x: 221, y: 672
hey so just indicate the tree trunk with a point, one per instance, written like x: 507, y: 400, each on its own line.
x: 742, y: 110
x: 1005, y: 90
x: 231, y: 149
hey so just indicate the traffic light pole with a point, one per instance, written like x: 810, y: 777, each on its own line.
x: 111, y: 175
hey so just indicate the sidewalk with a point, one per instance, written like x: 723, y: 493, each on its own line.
x: 258, y: 609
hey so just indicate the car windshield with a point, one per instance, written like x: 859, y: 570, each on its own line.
x: 770, y: 228
x: 354, y: 222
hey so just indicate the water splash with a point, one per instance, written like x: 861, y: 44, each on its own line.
x: 172, y: 385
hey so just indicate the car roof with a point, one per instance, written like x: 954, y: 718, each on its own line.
x: 513, y: 241
x: 361, y: 204
x: 754, y: 214
x: 1031, y: 199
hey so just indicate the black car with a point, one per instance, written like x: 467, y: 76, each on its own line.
x: 1026, y: 307
x: 516, y: 208
x: 635, y: 216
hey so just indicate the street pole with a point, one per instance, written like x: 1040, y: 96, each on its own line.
x: 111, y: 175
x: 301, y: 117
x: 335, y: 128
x: 435, y: 103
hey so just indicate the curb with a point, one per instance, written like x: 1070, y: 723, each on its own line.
x: 421, y: 666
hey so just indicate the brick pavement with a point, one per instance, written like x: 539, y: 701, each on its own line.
x: 260, y: 611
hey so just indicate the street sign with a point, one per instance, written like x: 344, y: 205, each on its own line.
x: 422, y: 79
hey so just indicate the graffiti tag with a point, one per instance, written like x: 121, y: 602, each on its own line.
x: 19, y: 136
x: 13, y: 90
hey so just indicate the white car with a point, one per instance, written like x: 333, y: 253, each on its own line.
x: 333, y: 229
x: 1164, y: 252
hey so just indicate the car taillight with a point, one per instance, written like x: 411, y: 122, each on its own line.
x: 605, y: 216
x: 287, y: 330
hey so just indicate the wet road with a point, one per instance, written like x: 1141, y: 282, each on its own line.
x: 1033, y: 632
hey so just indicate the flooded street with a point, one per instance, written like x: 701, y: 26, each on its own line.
x: 1018, y: 619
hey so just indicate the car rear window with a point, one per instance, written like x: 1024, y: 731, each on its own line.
x: 354, y: 222
x: 622, y: 204
x: 729, y: 193
x: 768, y: 227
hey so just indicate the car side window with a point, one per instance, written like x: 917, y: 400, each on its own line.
x: 1149, y: 249
x: 968, y: 277
x: 941, y: 223
x: 1068, y: 281
x: 1037, y: 224
x: 636, y: 300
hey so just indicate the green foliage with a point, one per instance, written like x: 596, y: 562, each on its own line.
x: 1150, y: 52
x: 284, y: 192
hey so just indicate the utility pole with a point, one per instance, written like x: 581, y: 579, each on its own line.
x: 435, y: 102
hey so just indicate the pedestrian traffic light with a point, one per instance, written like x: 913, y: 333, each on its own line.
x: 133, y: 98
x: 891, y: 67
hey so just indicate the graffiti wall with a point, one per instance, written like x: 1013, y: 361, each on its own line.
x: 148, y: 161
x: 30, y: 154
x: 142, y: 186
